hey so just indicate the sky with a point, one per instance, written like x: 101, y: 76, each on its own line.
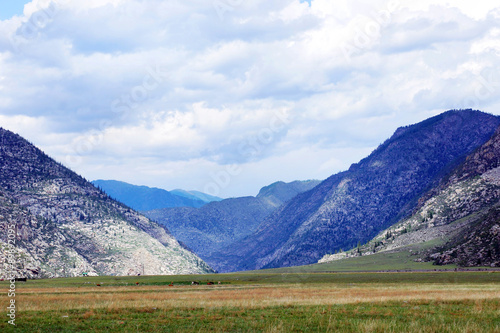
x: 228, y: 96
x: 11, y: 8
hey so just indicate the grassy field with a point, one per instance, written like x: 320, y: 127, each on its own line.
x: 384, y: 261
x: 402, y: 259
x: 261, y: 302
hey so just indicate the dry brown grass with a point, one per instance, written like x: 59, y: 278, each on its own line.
x: 43, y: 299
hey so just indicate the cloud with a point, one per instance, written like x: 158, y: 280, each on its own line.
x: 174, y: 92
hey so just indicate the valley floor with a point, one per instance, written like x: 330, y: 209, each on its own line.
x: 261, y: 302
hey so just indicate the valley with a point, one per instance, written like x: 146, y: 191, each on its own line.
x: 250, y: 166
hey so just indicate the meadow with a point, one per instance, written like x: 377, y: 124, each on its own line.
x: 261, y: 302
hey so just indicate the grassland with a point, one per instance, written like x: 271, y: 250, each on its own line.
x: 402, y: 260
x: 261, y: 302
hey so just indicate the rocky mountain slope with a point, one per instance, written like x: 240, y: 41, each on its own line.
x: 208, y: 229
x: 142, y: 198
x: 65, y: 226
x: 354, y: 206
x: 477, y: 244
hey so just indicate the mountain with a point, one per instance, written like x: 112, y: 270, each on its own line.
x: 144, y: 198
x: 476, y: 205
x: 208, y: 229
x: 353, y: 206
x: 457, y: 222
x: 65, y: 226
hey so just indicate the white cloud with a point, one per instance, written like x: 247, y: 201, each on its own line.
x: 21, y: 123
x: 171, y: 91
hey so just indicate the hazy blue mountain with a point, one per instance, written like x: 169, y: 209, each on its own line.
x: 353, y: 206
x: 207, y: 229
x: 196, y: 195
x: 143, y: 198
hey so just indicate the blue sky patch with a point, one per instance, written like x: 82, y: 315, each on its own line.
x: 11, y: 7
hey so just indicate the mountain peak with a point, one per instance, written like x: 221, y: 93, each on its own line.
x: 280, y: 192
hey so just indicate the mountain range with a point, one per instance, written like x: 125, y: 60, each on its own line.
x: 432, y: 189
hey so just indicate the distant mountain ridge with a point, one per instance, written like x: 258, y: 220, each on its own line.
x: 353, y: 206
x: 207, y: 229
x: 196, y: 195
x: 143, y: 198
x: 280, y: 192
x: 66, y: 227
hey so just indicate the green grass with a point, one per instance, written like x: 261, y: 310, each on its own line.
x: 417, y: 316
x: 402, y: 260
x: 276, y: 276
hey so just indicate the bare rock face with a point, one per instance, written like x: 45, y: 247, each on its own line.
x: 477, y: 245
x: 65, y: 226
